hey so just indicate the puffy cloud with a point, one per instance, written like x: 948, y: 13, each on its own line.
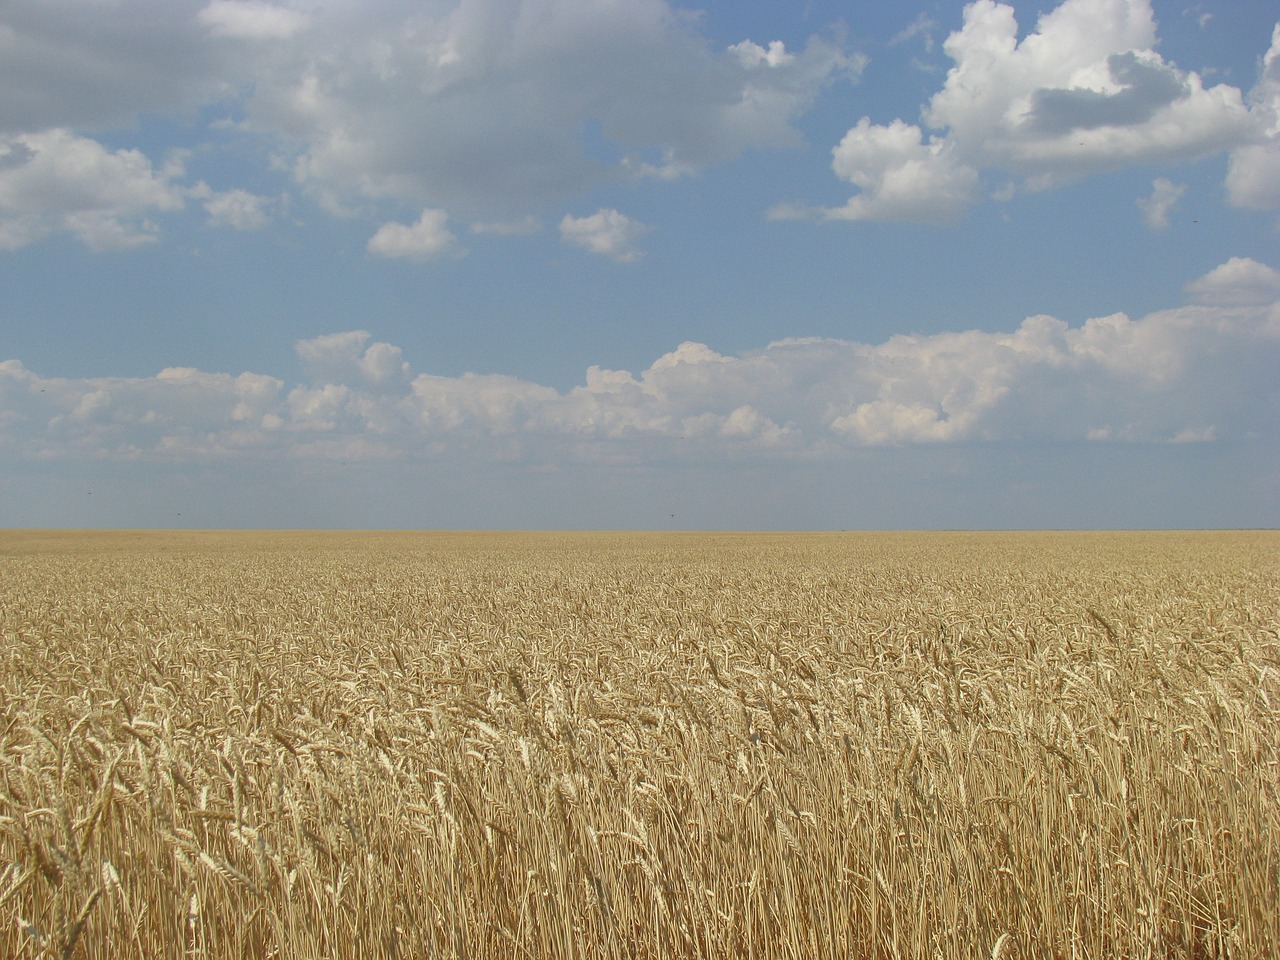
x: 179, y: 413
x: 1084, y: 92
x: 480, y: 107
x: 887, y: 421
x: 1240, y: 281
x: 1252, y: 180
x: 1135, y: 89
x: 898, y: 175
x: 496, y: 110
x: 488, y: 404
x: 1165, y: 195
x: 427, y: 239
x: 58, y: 182
x: 751, y: 55
x: 606, y: 232
x: 323, y: 408
x: 1200, y: 373
x: 1253, y: 177
x: 349, y: 358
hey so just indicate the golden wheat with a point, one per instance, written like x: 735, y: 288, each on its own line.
x: 639, y: 746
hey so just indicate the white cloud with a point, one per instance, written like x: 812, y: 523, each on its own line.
x: 322, y: 408
x: 480, y: 107
x: 180, y: 413
x: 606, y: 232
x: 887, y: 421
x: 489, y: 404
x: 922, y: 26
x: 752, y: 55
x: 251, y: 20
x: 899, y: 177
x: 1165, y: 195
x: 238, y: 209
x: 1240, y: 281
x: 474, y: 107
x: 348, y: 357
x: 1252, y: 180
x: 1083, y: 93
x: 1202, y: 373
x: 427, y: 239
x: 1253, y: 177
x: 58, y: 182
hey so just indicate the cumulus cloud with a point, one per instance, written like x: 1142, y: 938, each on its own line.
x: 1165, y: 195
x: 477, y: 108
x: 899, y: 176
x: 58, y: 182
x: 427, y: 239
x: 1241, y: 281
x: 1200, y: 373
x: 179, y: 413
x: 606, y: 232
x: 751, y: 55
x: 1083, y: 93
x: 1253, y: 177
x: 496, y: 111
x: 480, y: 107
x: 348, y: 357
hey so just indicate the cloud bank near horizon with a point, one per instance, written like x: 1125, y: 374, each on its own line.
x: 1200, y: 373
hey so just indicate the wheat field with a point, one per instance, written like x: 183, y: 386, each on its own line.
x: 341, y: 745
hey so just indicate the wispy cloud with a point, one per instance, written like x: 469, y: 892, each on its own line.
x: 922, y: 26
x: 237, y: 209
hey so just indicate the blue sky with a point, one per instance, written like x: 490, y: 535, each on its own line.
x: 639, y: 264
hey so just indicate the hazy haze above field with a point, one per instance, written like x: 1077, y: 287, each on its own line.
x: 639, y: 263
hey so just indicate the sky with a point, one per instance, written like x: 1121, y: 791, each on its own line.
x: 639, y: 264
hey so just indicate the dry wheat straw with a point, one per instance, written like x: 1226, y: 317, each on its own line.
x: 639, y: 746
